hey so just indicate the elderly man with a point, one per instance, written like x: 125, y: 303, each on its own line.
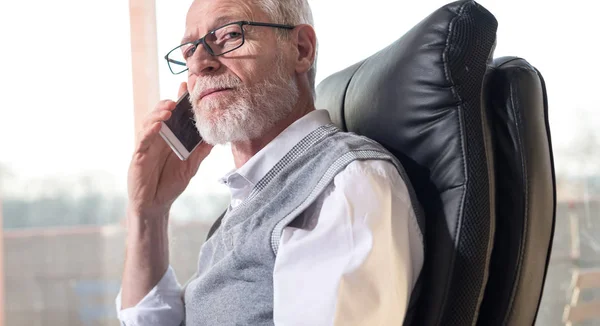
x: 321, y: 229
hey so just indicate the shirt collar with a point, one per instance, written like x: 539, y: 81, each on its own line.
x: 263, y: 161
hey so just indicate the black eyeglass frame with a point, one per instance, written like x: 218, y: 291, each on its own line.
x: 202, y: 40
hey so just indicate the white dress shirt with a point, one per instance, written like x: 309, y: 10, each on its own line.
x: 352, y: 258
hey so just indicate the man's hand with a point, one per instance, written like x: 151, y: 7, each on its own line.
x: 156, y: 178
x: 156, y: 175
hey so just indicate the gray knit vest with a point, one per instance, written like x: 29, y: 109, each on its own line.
x: 234, y: 281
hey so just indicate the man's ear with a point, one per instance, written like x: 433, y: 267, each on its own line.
x: 306, y: 42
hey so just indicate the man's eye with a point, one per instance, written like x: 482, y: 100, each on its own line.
x: 227, y: 34
x: 189, y: 52
x: 231, y: 35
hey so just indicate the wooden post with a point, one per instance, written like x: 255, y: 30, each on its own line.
x: 144, y: 58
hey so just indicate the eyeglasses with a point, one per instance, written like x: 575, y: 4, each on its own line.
x: 217, y: 42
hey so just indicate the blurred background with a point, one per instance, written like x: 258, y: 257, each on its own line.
x: 76, y: 76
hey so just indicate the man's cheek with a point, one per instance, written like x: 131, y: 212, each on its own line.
x: 191, y: 83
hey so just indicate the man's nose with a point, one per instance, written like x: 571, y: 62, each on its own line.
x: 202, y: 62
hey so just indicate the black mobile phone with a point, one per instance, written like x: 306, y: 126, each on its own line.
x: 180, y: 130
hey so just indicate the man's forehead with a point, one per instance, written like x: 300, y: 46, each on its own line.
x: 205, y: 15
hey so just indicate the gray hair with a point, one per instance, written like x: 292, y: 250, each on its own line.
x: 291, y: 12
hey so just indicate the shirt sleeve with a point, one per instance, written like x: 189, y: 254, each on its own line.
x: 162, y: 306
x: 355, y: 258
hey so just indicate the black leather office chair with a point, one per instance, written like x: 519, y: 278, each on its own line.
x: 473, y: 136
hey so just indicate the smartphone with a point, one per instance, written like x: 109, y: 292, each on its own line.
x: 180, y: 130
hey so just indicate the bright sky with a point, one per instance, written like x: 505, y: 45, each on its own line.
x: 65, y: 76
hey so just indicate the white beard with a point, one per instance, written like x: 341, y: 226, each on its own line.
x: 249, y: 112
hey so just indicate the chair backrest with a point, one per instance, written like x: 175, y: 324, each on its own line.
x: 516, y: 100
x: 421, y: 99
x: 480, y: 164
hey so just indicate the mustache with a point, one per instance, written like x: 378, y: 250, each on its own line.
x: 212, y: 82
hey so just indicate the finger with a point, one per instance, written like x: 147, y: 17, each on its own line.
x: 164, y: 105
x: 182, y: 89
x: 148, y: 136
x: 157, y: 116
x: 154, y: 115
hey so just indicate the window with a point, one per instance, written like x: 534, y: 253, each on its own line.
x: 67, y: 136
